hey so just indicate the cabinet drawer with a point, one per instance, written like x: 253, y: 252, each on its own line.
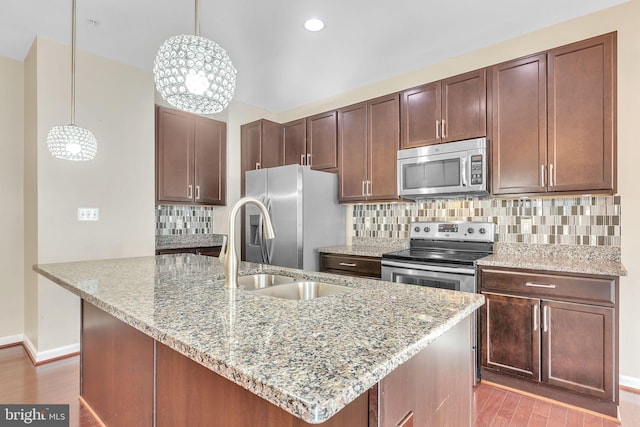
x: 351, y: 265
x: 590, y: 289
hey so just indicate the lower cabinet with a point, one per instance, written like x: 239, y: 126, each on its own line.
x: 555, y: 331
x: 351, y: 265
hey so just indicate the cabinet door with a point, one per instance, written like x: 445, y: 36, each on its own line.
x: 384, y: 142
x: 271, y: 147
x: 322, y: 141
x: 210, y: 161
x: 250, y: 147
x: 352, y: 152
x: 464, y: 106
x: 519, y: 125
x: 582, y: 104
x: 174, y: 156
x: 511, y: 335
x: 294, y: 137
x: 578, y: 348
x: 420, y: 114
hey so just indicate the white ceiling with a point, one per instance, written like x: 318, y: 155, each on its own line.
x: 281, y: 65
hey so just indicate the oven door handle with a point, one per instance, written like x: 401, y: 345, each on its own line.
x: 431, y: 267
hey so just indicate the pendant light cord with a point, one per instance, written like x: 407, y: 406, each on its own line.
x: 197, y: 17
x: 73, y: 62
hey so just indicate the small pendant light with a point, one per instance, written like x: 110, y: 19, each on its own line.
x: 193, y: 73
x: 72, y: 142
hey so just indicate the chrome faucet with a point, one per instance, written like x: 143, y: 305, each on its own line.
x: 229, y: 247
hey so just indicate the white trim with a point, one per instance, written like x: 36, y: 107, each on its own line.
x: 11, y: 339
x: 630, y: 382
x: 54, y: 353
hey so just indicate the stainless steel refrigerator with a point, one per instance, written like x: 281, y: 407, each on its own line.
x: 305, y: 212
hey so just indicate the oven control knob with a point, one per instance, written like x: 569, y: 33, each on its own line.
x: 416, y: 229
x: 470, y: 230
x: 482, y: 230
x: 427, y: 229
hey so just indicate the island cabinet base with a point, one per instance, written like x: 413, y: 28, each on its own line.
x: 129, y: 379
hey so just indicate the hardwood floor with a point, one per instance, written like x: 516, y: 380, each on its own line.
x: 59, y: 382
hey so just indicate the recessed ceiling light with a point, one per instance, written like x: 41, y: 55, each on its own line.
x: 314, y: 24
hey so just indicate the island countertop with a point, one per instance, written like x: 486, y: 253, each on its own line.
x: 310, y: 358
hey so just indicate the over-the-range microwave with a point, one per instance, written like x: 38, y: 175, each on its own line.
x: 442, y: 170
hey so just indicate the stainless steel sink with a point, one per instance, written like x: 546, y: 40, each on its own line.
x: 303, y: 290
x: 259, y: 281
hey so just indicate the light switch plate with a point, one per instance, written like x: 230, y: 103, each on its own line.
x: 525, y: 225
x: 88, y: 214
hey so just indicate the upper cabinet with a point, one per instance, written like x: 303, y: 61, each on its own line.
x: 368, y: 141
x: 553, y: 120
x: 190, y: 158
x: 322, y: 141
x: 261, y: 147
x: 312, y: 141
x: 449, y: 110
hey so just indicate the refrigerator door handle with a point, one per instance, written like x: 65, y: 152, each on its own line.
x: 269, y: 244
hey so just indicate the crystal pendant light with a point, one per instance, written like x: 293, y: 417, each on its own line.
x: 72, y: 142
x: 193, y: 73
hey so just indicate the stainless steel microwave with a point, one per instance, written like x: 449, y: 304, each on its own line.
x: 449, y: 169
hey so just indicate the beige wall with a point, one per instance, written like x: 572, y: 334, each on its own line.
x: 11, y: 191
x: 624, y: 19
x: 115, y: 102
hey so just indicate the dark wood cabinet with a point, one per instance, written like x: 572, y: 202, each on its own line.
x: 312, y: 141
x: 261, y: 147
x: 213, y: 251
x: 553, y: 120
x: 519, y: 125
x: 191, y: 158
x: 581, y: 115
x: 511, y: 336
x: 351, y: 265
x: 554, y: 331
x: 322, y: 141
x: 449, y: 110
x: 368, y: 141
x: 294, y: 142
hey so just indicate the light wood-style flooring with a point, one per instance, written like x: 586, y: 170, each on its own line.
x: 59, y: 382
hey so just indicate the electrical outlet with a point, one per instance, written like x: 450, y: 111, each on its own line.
x: 88, y: 214
x: 525, y: 225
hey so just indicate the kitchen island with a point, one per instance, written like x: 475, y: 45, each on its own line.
x: 162, y: 339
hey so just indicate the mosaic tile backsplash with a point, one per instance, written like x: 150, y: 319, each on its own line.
x: 585, y: 220
x: 183, y: 220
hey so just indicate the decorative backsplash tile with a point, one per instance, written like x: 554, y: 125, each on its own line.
x: 182, y: 220
x: 585, y: 220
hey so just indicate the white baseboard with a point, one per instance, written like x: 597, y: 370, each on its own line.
x: 11, y: 339
x: 631, y: 382
x: 54, y: 353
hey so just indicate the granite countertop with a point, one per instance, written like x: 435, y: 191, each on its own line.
x: 592, y: 260
x: 310, y: 358
x: 181, y: 241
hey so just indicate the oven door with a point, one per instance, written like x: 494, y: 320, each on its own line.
x: 435, y: 276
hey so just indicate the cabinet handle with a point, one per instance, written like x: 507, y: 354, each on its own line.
x: 437, y: 129
x: 535, y: 317
x: 551, y: 175
x: 444, y: 128
x: 190, y: 192
x: 309, y: 159
x: 363, y: 193
x: 348, y: 264
x: 544, y: 318
x: 197, y: 192
x: 258, y: 166
x: 369, y: 188
x: 538, y: 285
x: 302, y: 159
x: 542, y: 174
